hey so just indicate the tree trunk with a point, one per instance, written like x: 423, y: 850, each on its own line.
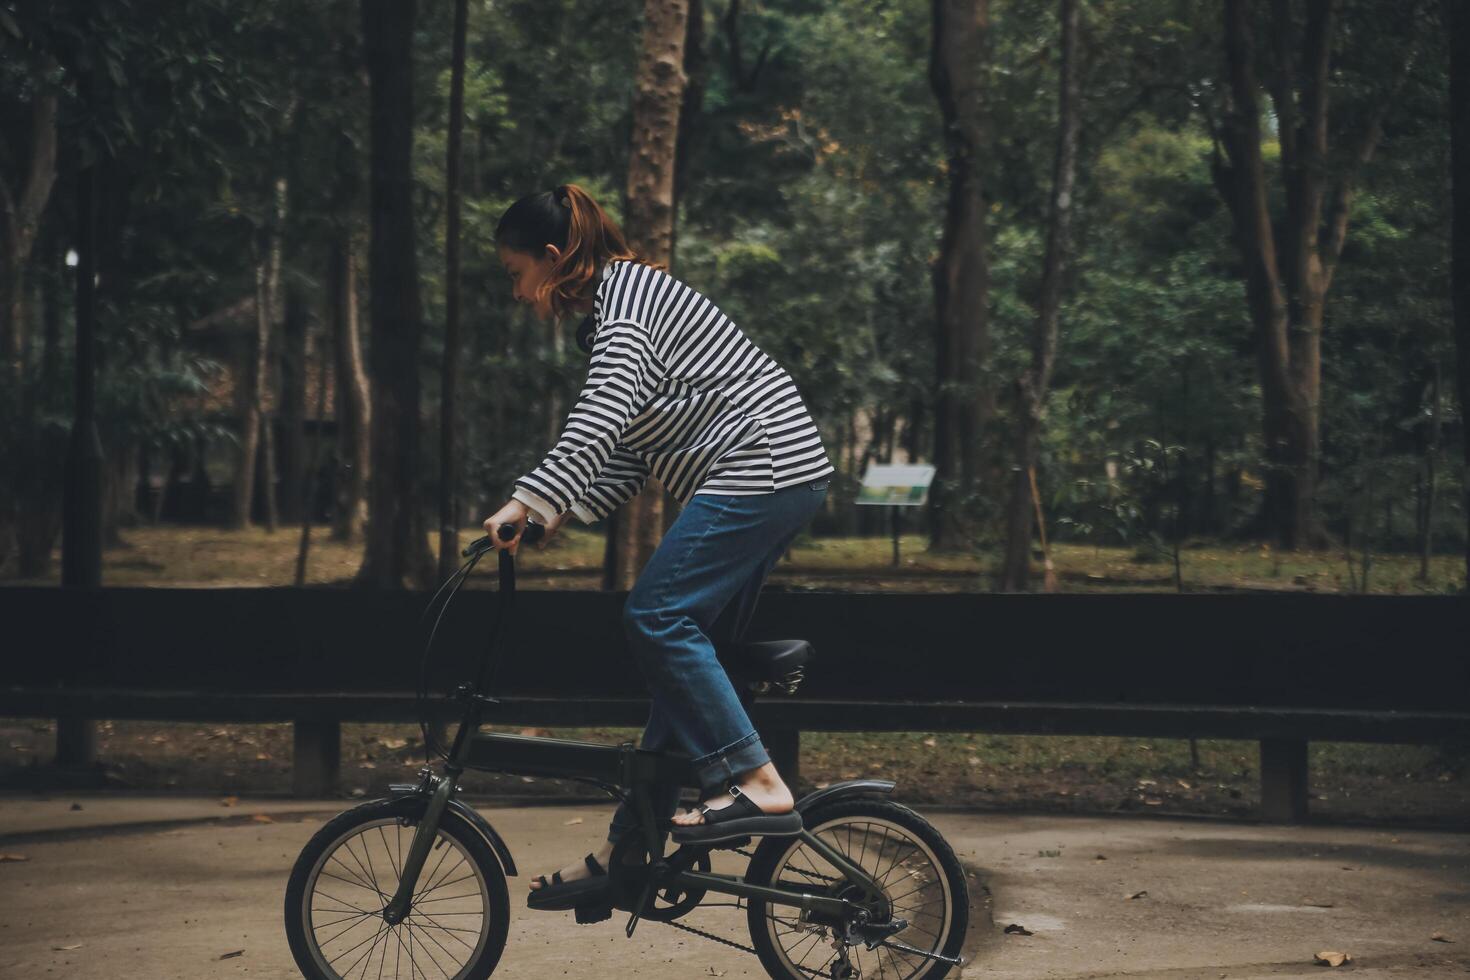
x: 1431, y: 483
x: 20, y: 219
x: 449, y: 369
x: 353, y: 406
x: 41, y: 475
x: 252, y: 378
x: 1289, y: 268
x: 397, y: 553
x: 658, y: 99
x: 962, y: 273
x: 1035, y: 380
x: 294, y: 375
x: 81, y: 534
x: 1459, y: 35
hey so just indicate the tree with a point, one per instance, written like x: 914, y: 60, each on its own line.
x: 658, y: 99
x: 963, y: 402
x: 22, y: 205
x: 449, y: 370
x: 1289, y: 263
x: 1032, y: 385
x: 396, y: 552
x: 1458, y: 17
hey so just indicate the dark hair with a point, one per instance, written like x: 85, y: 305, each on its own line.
x: 570, y: 219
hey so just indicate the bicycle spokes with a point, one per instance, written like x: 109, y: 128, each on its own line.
x: 914, y: 903
x: 446, y: 924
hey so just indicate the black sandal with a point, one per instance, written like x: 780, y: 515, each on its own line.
x: 742, y: 818
x: 558, y: 896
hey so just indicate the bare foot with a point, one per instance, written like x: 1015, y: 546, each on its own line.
x: 765, y: 788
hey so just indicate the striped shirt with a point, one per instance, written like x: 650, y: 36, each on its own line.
x: 676, y: 390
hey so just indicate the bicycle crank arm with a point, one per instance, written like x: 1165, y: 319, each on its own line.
x: 418, y: 851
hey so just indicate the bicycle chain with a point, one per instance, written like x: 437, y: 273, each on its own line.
x: 730, y: 942
x: 710, y: 935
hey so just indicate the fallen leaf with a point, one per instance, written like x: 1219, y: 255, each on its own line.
x: 392, y: 743
x: 230, y: 956
x: 1438, y: 937
x: 1142, y: 894
x: 930, y: 742
x: 1100, y: 858
x: 12, y: 857
x: 572, y: 822
x: 358, y: 792
x: 262, y: 757
x: 1183, y: 783
x: 229, y: 800
x: 713, y: 972
x: 76, y: 806
x: 1332, y: 959
x: 1019, y: 930
x: 62, y: 949
x: 261, y: 818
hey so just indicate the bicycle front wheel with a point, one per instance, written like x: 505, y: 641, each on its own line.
x: 922, y: 882
x: 347, y: 873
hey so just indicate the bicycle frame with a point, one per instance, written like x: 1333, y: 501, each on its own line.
x: 625, y: 766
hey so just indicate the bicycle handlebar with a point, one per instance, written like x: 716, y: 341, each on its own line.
x: 532, y: 534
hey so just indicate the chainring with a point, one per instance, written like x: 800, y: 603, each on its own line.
x: 664, y: 904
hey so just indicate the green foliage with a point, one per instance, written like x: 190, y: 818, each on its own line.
x: 811, y: 209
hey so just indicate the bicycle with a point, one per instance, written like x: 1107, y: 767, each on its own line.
x: 420, y: 877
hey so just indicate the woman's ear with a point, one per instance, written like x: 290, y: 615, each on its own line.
x: 553, y: 253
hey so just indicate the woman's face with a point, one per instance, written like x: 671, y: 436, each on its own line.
x: 527, y: 272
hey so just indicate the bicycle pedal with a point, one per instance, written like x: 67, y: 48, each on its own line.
x: 588, y: 914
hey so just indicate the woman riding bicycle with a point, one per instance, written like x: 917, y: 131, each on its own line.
x: 674, y: 390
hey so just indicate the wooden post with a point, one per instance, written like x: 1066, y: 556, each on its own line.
x: 317, y: 759
x: 76, y: 742
x: 1284, y: 780
x: 784, y: 745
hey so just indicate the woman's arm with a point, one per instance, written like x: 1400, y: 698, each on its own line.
x: 622, y: 477
x: 620, y: 380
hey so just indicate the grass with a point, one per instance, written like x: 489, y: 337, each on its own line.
x: 171, y: 555
x: 1350, y: 781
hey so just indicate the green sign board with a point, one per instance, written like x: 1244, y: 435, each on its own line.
x: 896, y: 486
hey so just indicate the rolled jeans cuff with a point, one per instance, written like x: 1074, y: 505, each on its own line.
x: 719, y: 768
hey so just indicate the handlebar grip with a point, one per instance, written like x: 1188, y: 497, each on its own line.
x: 530, y: 535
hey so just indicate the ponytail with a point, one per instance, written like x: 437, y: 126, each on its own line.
x: 570, y: 219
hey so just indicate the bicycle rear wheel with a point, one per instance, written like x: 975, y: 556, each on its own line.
x: 923, y: 884
x: 457, y: 923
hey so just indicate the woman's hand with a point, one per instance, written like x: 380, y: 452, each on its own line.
x: 551, y: 528
x: 514, y: 512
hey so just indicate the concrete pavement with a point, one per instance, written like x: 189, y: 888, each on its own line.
x: 164, y: 887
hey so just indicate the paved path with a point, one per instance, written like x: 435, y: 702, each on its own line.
x: 112, y: 891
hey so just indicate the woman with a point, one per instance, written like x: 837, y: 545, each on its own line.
x: 675, y: 390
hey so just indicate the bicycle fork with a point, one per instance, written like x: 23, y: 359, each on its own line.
x: 418, y: 852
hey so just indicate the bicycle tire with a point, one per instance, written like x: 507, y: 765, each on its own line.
x: 361, y: 890
x: 834, y: 822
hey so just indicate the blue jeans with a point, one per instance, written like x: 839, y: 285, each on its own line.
x: 701, y: 586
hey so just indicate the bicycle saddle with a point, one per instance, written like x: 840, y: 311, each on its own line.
x: 770, y: 663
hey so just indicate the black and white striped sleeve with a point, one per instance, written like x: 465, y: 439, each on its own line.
x: 620, y: 380
x: 622, y: 477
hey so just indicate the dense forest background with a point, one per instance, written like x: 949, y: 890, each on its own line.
x: 1188, y: 262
